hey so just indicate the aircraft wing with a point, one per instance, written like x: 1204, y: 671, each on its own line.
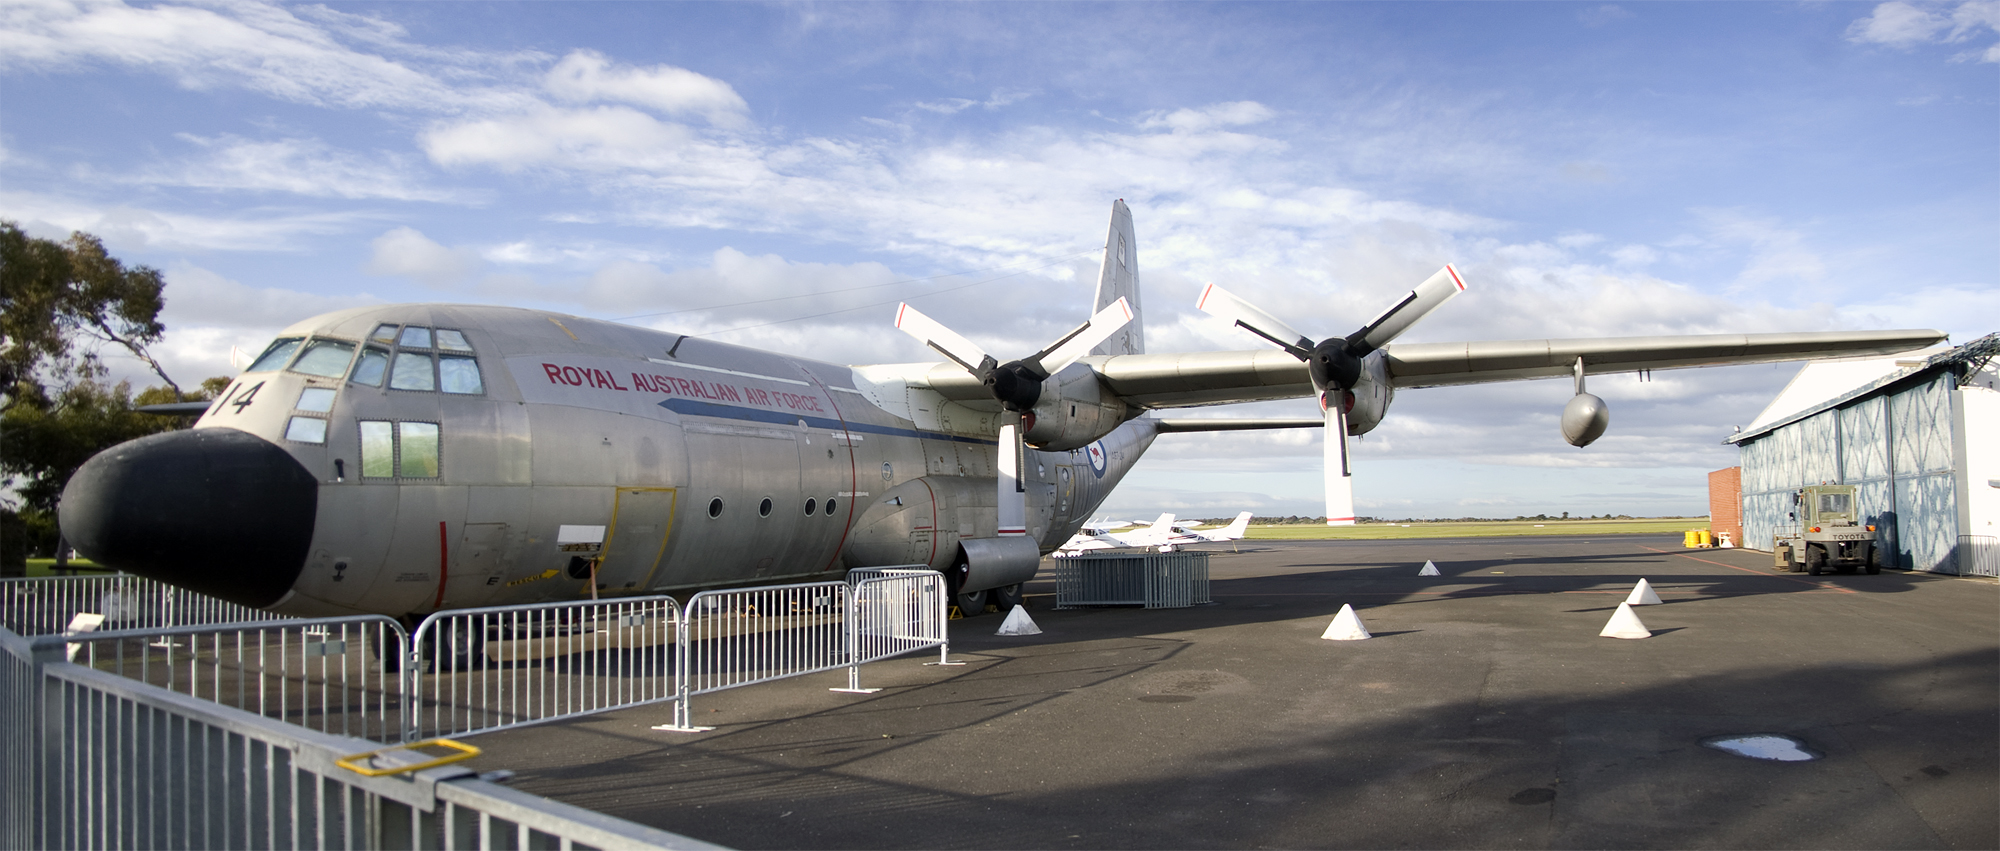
x: 1220, y: 378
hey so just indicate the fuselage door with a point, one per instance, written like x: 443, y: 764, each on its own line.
x: 640, y: 523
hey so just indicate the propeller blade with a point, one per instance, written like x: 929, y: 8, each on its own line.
x: 947, y: 342
x: 1218, y: 302
x: 1434, y: 291
x: 1079, y: 342
x: 1011, y: 497
x: 1339, y: 477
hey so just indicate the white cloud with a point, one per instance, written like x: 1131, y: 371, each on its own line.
x: 589, y: 138
x: 586, y: 75
x: 253, y: 229
x: 299, y: 166
x: 406, y: 252
x: 1210, y: 117
x: 261, y: 47
x: 1906, y: 25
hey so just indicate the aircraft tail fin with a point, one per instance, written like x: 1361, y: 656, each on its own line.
x: 1164, y: 525
x: 1240, y: 527
x: 1119, y: 278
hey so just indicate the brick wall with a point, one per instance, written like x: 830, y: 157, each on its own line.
x: 1725, y: 503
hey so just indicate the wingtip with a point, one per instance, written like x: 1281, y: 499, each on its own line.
x: 1454, y: 276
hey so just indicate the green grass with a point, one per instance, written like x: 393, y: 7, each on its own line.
x: 1481, y: 529
x: 46, y: 566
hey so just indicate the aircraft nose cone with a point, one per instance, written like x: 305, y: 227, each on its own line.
x: 215, y: 510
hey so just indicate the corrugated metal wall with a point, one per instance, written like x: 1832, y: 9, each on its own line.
x: 1897, y: 452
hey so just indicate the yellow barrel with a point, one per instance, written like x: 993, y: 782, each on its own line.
x: 1703, y: 539
x: 1689, y: 540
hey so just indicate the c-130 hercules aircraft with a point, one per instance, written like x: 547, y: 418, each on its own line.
x: 409, y: 458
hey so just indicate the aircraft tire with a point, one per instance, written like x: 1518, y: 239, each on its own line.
x: 971, y: 604
x: 1009, y: 596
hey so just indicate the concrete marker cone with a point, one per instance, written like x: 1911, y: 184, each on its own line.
x: 1018, y: 623
x: 1430, y: 569
x: 1625, y: 623
x: 1346, y: 626
x: 1642, y: 595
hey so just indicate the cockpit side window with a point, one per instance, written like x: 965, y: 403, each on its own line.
x: 274, y: 357
x: 412, y: 372
x: 459, y: 375
x: 374, y: 364
x: 384, y: 334
x: 325, y: 358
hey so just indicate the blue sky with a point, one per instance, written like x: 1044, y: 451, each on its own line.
x: 1593, y: 169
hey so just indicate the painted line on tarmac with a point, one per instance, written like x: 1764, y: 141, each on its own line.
x: 1755, y: 572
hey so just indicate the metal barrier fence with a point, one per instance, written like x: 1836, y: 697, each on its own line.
x: 100, y: 760
x: 46, y: 605
x: 474, y: 670
x: 326, y: 674
x: 753, y: 635
x: 1978, y: 555
x: 1153, y: 580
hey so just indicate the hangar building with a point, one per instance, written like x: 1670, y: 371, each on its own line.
x: 1918, y: 435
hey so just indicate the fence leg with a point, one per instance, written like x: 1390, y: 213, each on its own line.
x: 852, y: 632
x: 683, y: 714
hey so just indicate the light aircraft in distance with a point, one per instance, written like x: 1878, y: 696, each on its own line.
x: 403, y: 459
x: 1159, y: 534
x: 1164, y: 535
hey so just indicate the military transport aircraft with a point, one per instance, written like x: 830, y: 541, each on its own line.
x: 407, y: 458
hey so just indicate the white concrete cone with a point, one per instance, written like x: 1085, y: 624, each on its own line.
x: 1346, y: 626
x: 1642, y: 595
x: 1625, y: 623
x: 1018, y: 623
x: 1430, y: 569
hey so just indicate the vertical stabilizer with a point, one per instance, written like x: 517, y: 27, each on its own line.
x: 1119, y: 278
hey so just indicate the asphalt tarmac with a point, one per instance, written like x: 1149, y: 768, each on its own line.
x: 1484, y: 713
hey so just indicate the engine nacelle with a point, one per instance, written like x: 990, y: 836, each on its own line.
x: 1073, y: 411
x: 1584, y: 419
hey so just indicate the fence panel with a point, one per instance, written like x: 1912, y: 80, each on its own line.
x: 46, y: 605
x: 896, y: 613
x: 476, y: 670
x: 332, y: 675
x: 753, y: 635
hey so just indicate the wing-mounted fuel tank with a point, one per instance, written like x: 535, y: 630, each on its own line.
x: 1074, y: 409
x: 1586, y: 416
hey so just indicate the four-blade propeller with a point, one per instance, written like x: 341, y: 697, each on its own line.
x: 1335, y: 364
x: 1017, y: 385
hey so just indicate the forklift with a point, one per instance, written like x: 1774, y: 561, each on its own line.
x: 1824, y: 534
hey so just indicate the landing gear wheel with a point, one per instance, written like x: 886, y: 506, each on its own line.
x: 1009, y: 596
x: 1815, y: 560
x: 970, y: 604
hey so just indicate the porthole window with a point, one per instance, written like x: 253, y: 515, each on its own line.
x: 715, y: 507
x: 829, y: 506
x: 811, y: 505
x: 764, y: 508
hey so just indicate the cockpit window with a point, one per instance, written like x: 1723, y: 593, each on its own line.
x: 384, y: 334
x: 374, y: 363
x: 452, y: 341
x: 274, y: 357
x: 325, y: 358
x: 416, y: 337
x: 412, y: 372
x: 459, y: 374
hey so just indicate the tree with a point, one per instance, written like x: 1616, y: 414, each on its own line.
x: 60, y: 303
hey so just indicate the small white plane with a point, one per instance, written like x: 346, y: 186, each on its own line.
x: 1159, y: 534
x: 1234, y: 531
